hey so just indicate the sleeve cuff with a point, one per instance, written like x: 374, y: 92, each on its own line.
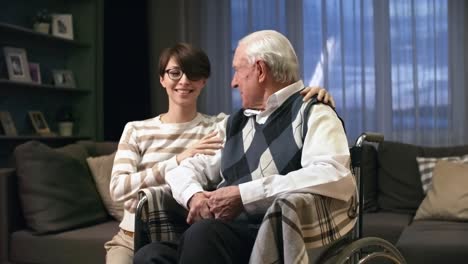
x: 251, y: 192
x: 164, y: 167
x: 189, y: 192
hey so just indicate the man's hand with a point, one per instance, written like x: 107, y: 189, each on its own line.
x: 207, y: 145
x: 198, y: 208
x: 322, y: 96
x: 225, y: 203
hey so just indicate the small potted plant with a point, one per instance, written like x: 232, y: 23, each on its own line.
x: 42, y: 21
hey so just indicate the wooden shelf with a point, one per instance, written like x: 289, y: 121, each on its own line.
x: 31, y: 137
x: 24, y: 138
x: 8, y: 143
x: 26, y: 32
x: 11, y: 85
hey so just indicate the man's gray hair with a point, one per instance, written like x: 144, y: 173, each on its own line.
x: 276, y: 51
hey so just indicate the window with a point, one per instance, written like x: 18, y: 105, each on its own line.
x: 386, y: 63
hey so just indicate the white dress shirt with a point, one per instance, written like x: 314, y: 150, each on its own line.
x: 325, y: 162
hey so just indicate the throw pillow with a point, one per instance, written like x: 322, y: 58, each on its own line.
x: 448, y: 197
x: 101, y: 169
x: 56, y: 189
x: 426, y: 166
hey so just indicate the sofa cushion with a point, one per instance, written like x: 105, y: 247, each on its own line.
x: 56, y: 189
x: 386, y: 225
x: 448, y: 197
x: 84, y: 245
x: 434, y: 242
x: 399, y: 183
x: 426, y: 167
x: 398, y: 180
x: 98, y: 148
x: 101, y: 169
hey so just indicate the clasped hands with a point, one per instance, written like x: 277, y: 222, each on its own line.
x: 223, y: 204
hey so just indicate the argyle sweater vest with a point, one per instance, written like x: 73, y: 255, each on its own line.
x: 274, y: 148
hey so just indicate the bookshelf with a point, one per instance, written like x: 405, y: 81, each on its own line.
x: 81, y: 55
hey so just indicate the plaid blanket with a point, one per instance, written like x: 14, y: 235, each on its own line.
x: 163, y: 218
x: 296, y: 222
x: 304, y: 220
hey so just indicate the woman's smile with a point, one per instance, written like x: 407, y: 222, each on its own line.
x: 183, y: 90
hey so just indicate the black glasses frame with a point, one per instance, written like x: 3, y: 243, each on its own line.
x: 174, y: 76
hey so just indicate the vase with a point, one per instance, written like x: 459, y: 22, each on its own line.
x: 65, y: 129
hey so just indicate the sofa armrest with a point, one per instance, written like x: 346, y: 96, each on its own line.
x: 11, y: 218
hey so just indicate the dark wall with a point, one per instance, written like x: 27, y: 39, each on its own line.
x: 126, y: 66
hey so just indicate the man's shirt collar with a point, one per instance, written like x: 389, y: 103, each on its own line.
x: 276, y: 99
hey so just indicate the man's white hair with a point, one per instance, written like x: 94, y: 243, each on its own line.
x: 276, y: 51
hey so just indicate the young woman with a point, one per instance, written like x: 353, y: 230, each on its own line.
x: 150, y: 148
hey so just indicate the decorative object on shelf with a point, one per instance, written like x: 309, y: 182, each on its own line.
x: 39, y: 123
x: 17, y: 64
x: 35, y: 72
x: 8, y: 126
x: 62, y: 25
x: 64, y: 78
x: 65, y: 129
x: 42, y: 21
x: 65, y: 119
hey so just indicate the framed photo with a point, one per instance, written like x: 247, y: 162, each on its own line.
x: 39, y: 123
x: 62, y: 25
x: 17, y: 64
x: 35, y: 72
x: 64, y: 78
x: 8, y: 126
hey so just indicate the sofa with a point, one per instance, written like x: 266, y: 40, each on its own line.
x: 53, y: 204
x: 53, y: 178
x: 417, y: 198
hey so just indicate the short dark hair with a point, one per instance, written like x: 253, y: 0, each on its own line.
x: 193, y: 61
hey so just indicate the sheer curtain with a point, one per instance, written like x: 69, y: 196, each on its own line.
x: 393, y: 66
x: 203, y: 23
x: 206, y: 23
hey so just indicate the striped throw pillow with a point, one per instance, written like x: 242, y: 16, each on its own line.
x: 426, y: 166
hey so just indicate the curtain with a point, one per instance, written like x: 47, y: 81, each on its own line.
x: 393, y: 66
x: 205, y: 24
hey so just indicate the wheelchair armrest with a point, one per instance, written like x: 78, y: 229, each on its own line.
x: 369, y: 137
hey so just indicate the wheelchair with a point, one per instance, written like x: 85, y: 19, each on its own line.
x: 354, y: 249
x: 360, y: 249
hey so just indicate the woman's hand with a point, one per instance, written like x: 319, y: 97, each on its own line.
x: 207, y: 145
x: 322, y: 94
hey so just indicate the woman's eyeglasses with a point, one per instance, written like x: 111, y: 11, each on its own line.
x: 175, y: 74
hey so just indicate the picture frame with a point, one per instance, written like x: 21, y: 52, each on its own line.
x: 39, y: 123
x: 62, y: 26
x: 17, y: 64
x: 64, y: 78
x: 35, y: 72
x: 8, y: 126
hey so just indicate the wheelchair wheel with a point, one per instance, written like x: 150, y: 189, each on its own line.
x: 370, y: 250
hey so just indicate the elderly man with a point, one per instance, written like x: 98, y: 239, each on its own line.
x: 275, y: 144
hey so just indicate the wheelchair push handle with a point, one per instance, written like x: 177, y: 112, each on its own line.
x: 369, y: 137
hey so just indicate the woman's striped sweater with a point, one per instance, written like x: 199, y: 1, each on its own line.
x: 147, y: 150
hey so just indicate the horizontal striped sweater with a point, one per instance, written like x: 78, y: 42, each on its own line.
x: 147, y: 150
